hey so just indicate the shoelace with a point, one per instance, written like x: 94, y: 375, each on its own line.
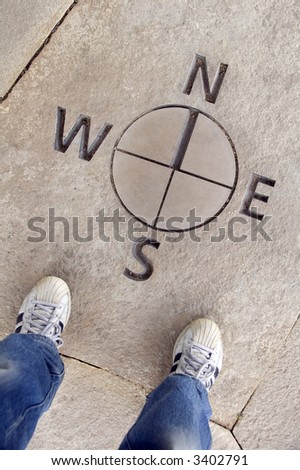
x: 199, y: 361
x: 43, y: 320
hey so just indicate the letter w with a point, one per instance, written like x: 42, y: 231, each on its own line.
x: 83, y: 121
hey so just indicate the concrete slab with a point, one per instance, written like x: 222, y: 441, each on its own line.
x: 277, y: 426
x: 113, y: 62
x: 92, y: 410
x: 22, y: 32
x: 222, y: 439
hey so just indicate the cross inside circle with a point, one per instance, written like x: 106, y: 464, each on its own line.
x: 174, y: 168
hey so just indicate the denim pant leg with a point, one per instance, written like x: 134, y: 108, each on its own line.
x: 175, y: 416
x: 31, y: 371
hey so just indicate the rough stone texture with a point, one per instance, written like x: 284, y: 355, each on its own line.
x: 22, y: 32
x: 222, y: 439
x: 92, y: 410
x: 273, y: 411
x: 114, y: 61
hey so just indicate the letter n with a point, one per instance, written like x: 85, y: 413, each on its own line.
x: 210, y: 92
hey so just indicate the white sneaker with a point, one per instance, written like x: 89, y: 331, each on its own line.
x: 198, y: 352
x: 46, y: 309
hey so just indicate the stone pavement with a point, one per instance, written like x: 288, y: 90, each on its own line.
x: 113, y: 61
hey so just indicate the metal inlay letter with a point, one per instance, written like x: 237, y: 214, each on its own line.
x: 252, y: 194
x: 145, y: 262
x: 210, y: 92
x: 184, y: 140
x: 85, y: 152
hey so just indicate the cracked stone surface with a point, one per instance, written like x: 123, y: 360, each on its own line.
x: 222, y: 439
x: 93, y: 409
x: 277, y: 425
x: 113, y: 62
x: 19, y: 44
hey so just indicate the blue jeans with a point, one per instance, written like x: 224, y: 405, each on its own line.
x: 31, y: 371
x: 175, y: 416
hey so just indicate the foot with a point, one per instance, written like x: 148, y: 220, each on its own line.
x: 198, y: 352
x: 45, y: 310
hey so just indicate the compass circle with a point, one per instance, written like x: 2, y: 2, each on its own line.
x: 174, y: 168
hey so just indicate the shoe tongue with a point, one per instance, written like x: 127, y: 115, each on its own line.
x: 50, y: 330
x: 42, y: 322
x: 200, y: 356
x: 198, y: 352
